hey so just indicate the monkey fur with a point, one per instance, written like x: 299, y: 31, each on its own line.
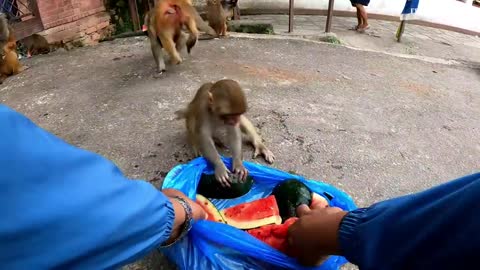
x: 4, y: 29
x: 9, y: 64
x: 164, y: 28
x: 37, y: 44
x: 217, y: 17
x: 221, y: 105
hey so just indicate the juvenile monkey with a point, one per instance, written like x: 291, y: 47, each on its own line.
x: 37, y: 44
x: 217, y: 17
x: 9, y: 64
x: 164, y: 28
x: 221, y: 105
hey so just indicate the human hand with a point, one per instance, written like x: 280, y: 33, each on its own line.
x: 315, y: 234
x: 197, y: 211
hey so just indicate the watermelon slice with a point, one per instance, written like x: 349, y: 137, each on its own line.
x: 274, y: 235
x: 210, y: 209
x: 253, y: 214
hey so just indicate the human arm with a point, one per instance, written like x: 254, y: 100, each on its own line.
x: 67, y: 208
x: 434, y: 229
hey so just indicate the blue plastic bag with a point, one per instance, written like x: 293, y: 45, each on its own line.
x: 212, y: 245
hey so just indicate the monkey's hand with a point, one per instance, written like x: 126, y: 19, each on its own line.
x: 265, y: 152
x: 240, y: 170
x: 221, y: 174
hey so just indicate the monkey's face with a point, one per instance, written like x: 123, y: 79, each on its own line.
x: 231, y: 119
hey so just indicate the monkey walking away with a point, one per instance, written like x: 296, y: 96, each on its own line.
x: 9, y: 64
x: 164, y: 25
x: 221, y: 105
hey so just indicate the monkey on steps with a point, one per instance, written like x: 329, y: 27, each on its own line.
x: 221, y: 105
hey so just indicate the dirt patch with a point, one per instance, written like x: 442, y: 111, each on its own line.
x: 417, y: 88
x: 277, y: 74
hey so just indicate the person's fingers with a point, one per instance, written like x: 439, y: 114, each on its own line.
x: 333, y: 210
x: 303, y: 210
x: 318, y: 201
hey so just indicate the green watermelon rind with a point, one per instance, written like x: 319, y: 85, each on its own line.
x: 209, y: 208
x: 209, y: 187
x: 290, y: 194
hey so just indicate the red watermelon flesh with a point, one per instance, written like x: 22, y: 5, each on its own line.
x: 274, y: 235
x: 253, y: 214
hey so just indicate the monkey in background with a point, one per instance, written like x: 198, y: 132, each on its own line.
x: 231, y: 8
x: 9, y: 64
x: 217, y: 17
x: 164, y: 25
x: 221, y: 105
x: 4, y: 29
x: 37, y: 44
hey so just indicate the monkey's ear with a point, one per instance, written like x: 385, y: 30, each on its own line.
x: 210, y: 98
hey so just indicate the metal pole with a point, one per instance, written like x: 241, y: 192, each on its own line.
x: 290, y: 15
x: 328, y: 26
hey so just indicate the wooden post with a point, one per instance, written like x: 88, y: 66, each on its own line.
x: 132, y: 4
x: 290, y: 15
x: 400, y: 30
x: 328, y: 26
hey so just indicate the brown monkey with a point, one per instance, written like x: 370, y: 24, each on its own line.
x: 37, y: 44
x: 217, y: 17
x: 9, y: 64
x: 4, y: 30
x: 217, y: 105
x: 231, y: 8
x: 164, y: 25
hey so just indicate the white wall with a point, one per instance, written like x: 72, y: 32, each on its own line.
x: 447, y: 12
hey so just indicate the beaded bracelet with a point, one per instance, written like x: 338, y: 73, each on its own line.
x: 187, y: 225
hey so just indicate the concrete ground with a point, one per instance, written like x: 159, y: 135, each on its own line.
x: 417, y: 40
x: 372, y: 124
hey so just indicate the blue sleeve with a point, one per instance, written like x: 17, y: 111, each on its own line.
x: 65, y: 208
x: 435, y: 229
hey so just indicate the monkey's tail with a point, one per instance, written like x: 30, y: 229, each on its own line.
x: 181, y: 114
x: 193, y: 33
x: 4, y: 32
x: 191, y: 41
x: 201, y: 24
